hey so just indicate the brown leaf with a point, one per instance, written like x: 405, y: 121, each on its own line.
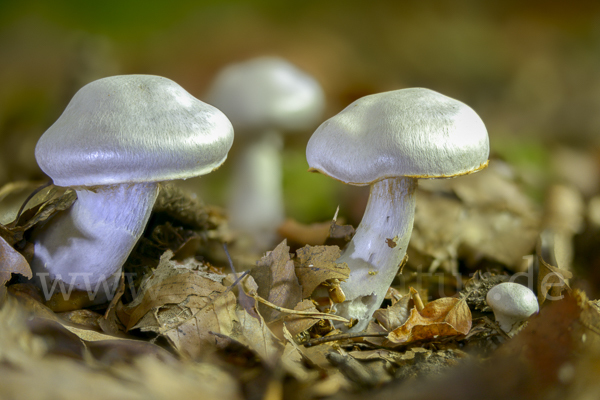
x: 191, y: 330
x: 394, y: 316
x: 55, y: 200
x: 247, y: 284
x: 447, y: 316
x: 28, y: 369
x: 173, y: 283
x: 552, y: 281
x: 26, y: 195
x: 447, y: 227
x: 255, y: 334
x: 292, y: 360
x: 316, y: 264
x: 185, y: 303
x: 11, y: 262
x: 344, y: 232
x: 296, y: 324
x: 277, y: 282
x: 85, y: 318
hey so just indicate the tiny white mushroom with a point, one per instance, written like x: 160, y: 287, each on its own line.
x: 389, y: 141
x: 117, y: 138
x: 511, y: 303
x: 263, y: 97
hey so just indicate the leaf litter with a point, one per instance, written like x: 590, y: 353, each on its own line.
x: 182, y: 326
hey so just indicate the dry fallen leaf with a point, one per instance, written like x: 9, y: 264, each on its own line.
x: 197, y: 313
x: 395, y: 315
x: 255, y: 334
x: 317, y: 264
x: 183, y: 302
x: 277, y: 282
x: 447, y: 316
x: 297, y: 324
x: 292, y: 360
x: 55, y: 200
x: 552, y: 281
x: 31, y: 367
x: 11, y: 262
x: 490, y: 217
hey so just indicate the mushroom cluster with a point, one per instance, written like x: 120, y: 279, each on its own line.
x: 117, y: 138
x: 389, y: 141
x: 263, y: 97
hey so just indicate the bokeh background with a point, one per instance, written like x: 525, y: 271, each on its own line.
x: 530, y: 69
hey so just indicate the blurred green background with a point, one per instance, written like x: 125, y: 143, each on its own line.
x: 530, y: 69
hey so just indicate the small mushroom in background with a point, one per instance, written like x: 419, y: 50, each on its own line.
x: 389, y: 141
x: 116, y: 140
x: 263, y: 98
x: 512, y: 303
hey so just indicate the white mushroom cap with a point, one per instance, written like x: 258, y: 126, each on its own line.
x: 511, y: 303
x: 267, y: 93
x: 133, y: 128
x: 413, y: 132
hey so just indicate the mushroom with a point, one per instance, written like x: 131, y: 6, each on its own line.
x: 117, y: 138
x: 389, y: 141
x: 512, y: 303
x: 263, y: 97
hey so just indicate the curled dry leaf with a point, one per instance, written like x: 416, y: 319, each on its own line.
x: 317, y: 264
x: 276, y: 279
x: 552, y: 281
x: 54, y: 199
x: 297, y: 324
x: 11, y: 262
x: 447, y: 316
x: 394, y: 316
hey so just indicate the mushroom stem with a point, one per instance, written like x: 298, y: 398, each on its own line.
x: 256, y: 204
x: 86, y: 245
x: 375, y: 253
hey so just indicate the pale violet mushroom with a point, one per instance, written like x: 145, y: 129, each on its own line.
x: 117, y: 138
x: 512, y: 303
x: 263, y: 97
x: 389, y: 141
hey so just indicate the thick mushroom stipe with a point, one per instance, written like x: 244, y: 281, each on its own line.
x: 378, y: 247
x: 86, y: 244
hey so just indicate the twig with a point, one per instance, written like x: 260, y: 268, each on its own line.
x: 343, y: 336
x: 308, y: 314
